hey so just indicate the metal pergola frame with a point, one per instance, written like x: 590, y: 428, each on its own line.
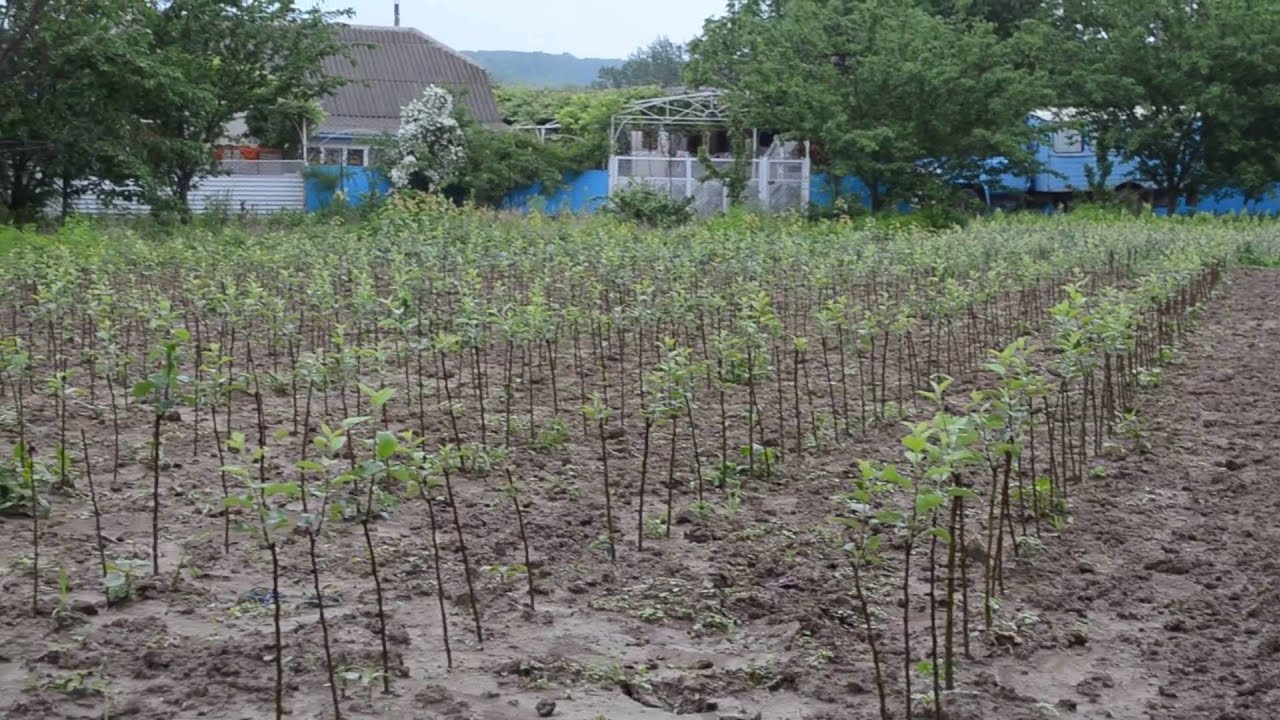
x: 690, y: 109
x: 544, y: 131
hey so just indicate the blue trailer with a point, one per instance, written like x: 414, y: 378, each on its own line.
x: 1066, y: 158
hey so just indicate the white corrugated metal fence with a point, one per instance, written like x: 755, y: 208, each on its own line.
x: 236, y: 194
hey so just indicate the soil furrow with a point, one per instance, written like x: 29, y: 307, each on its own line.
x: 1159, y: 601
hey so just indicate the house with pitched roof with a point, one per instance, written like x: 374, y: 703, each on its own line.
x: 388, y: 67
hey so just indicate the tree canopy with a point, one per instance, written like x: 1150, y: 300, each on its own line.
x: 1186, y: 91
x: 67, y: 101
x: 904, y: 100
x: 660, y: 64
x: 582, y: 142
x: 133, y: 94
x: 900, y: 94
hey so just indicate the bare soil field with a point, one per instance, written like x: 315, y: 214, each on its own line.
x: 1157, y: 602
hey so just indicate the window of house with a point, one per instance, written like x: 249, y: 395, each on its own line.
x: 357, y: 156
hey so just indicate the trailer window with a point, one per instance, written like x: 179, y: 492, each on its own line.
x: 1068, y: 142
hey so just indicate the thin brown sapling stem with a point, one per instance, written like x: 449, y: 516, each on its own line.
x: 462, y: 548
x: 514, y: 491
x: 93, y: 498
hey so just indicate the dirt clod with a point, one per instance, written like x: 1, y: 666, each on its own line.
x: 85, y: 607
x: 1093, y: 685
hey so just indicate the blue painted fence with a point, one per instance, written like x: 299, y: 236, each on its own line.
x: 588, y: 191
x: 358, y: 185
x: 822, y: 192
x: 585, y: 192
x: 1231, y: 202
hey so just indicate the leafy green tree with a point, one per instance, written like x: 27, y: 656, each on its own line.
x: 660, y: 63
x: 18, y: 21
x: 1185, y: 91
x: 1006, y: 16
x: 230, y: 57
x: 499, y: 161
x: 582, y: 142
x: 125, y: 98
x: 283, y: 124
x: 66, y: 103
x: 901, y: 99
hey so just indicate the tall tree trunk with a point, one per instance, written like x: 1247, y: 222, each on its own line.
x: 182, y: 193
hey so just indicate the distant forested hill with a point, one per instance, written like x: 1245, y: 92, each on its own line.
x: 538, y: 69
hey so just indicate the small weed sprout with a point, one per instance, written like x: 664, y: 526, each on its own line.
x: 367, y: 678
x: 119, y: 581
x: 552, y: 436
x: 62, y: 614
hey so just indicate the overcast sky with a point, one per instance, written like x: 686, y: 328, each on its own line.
x: 586, y: 28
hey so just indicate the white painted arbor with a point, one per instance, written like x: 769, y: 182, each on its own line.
x: 656, y: 142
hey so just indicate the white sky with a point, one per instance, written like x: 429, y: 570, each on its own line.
x: 586, y: 28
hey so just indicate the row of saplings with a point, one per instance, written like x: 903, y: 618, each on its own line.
x: 1001, y: 468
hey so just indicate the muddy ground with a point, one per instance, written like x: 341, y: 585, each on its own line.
x: 1157, y: 601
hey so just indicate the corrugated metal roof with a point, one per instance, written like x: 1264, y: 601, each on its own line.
x: 384, y: 78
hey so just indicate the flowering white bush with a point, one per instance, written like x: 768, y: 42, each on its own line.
x: 430, y: 145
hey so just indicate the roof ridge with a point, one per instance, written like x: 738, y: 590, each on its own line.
x: 408, y: 30
x: 449, y: 50
x: 362, y: 26
x: 397, y: 64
